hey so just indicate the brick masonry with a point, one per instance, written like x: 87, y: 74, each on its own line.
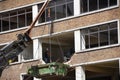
x: 96, y: 55
x: 67, y: 24
x: 13, y: 72
x: 8, y: 4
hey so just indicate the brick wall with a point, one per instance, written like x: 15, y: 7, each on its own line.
x: 8, y: 4
x: 67, y: 24
x: 96, y: 55
x: 13, y: 72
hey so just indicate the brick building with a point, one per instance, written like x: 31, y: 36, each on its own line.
x: 87, y: 28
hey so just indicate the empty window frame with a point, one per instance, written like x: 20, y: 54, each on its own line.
x: 91, y: 5
x: 15, y: 19
x: 57, y: 9
x: 101, y: 35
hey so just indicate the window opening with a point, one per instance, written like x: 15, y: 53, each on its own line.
x: 92, y: 5
x: 113, y: 2
x: 84, y: 6
x: 101, y: 35
x: 59, y: 9
x: 16, y: 19
x: 103, y: 4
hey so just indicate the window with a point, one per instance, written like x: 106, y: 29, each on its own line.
x: 57, y: 9
x: 15, y: 19
x: 91, y: 5
x: 101, y: 35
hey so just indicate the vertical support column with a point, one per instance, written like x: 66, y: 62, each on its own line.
x: 19, y: 59
x: 77, y: 40
x: 118, y: 32
x: 119, y: 70
x: 35, y: 12
x: 80, y: 73
x: 37, y: 49
x: 76, y: 7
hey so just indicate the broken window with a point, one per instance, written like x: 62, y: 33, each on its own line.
x: 59, y: 49
x: 91, y: 5
x: 101, y: 35
x: 16, y: 19
x: 57, y: 9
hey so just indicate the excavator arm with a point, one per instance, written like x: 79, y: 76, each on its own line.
x: 12, y: 50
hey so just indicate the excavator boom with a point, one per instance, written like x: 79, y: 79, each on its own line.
x: 12, y: 50
x: 37, y: 17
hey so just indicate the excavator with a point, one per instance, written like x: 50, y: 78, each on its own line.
x: 13, y: 49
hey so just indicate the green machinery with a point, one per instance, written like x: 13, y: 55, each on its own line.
x: 49, y: 69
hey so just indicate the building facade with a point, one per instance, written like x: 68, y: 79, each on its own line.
x: 84, y: 34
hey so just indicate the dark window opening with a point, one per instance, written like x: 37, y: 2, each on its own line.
x: 84, y: 6
x: 103, y: 4
x: 104, y: 38
x: 50, y: 14
x: 21, y: 21
x: 113, y: 2
x: 16, y: 18
x: 42, y: 18
x: 13, y: 22
x: 101, y: 78
x: 94, y: 40
x: 5, y: 24
x: 93, y: 5
x: 59, y: 2
x: 27, y: 77
x: 0, y: 25
x: 57, y: 9
x: 29, y: 18
x: 61, y: 11
x: 113, y: 38
x: 70, y: 9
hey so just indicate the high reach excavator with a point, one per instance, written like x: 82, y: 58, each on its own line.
x: 13, y: 49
